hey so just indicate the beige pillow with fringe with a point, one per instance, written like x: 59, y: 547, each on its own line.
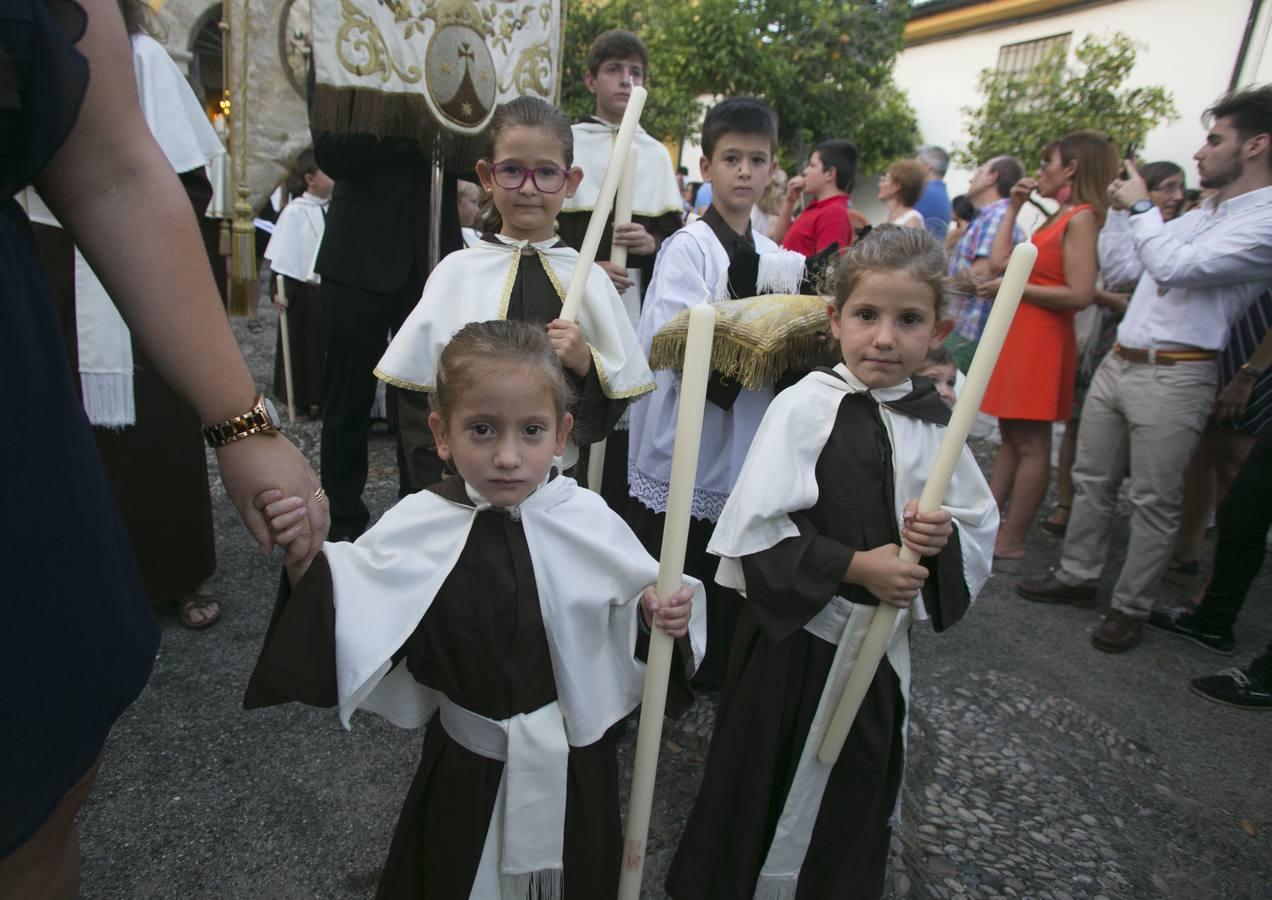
x: 756, y: 339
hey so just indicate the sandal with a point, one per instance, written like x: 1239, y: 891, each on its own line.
x: 198, y: 608
x: 1056, y: 529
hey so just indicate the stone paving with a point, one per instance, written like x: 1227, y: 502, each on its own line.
x: 1037, y: 767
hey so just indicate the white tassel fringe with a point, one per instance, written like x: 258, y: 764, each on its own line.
x: 108, y: 399
x: 781, y: 272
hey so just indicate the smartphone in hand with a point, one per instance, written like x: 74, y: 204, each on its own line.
x: 1131, y: 149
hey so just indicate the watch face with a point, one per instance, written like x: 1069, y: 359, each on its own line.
x: 272, y: 412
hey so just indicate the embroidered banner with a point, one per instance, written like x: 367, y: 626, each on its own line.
x: 433, y: 70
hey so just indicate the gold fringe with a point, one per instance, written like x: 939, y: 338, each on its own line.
x: 401, y: 382
x: 242, y: 266
x: 756, y: 339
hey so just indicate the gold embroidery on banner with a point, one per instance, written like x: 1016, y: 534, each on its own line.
x: 532, y: 71
x: 359, y: 35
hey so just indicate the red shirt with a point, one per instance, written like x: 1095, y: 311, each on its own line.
x: 821, y: 224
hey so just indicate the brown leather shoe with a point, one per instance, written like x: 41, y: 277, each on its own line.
x: 1117, y: 633
x: 1049, y: 589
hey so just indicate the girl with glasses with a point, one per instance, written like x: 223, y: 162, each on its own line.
x: 519, y: 270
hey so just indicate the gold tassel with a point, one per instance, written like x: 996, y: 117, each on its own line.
x: 242, y: 258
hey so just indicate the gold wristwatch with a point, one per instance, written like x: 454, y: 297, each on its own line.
x: 262, y: 418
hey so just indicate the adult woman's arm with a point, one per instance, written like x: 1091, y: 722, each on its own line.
x: 1078, y: 291
x: 1080, y: 268
x: 114, y: 191
x: 1000, y: 249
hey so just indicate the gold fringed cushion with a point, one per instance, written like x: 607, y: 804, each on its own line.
x: 756, y: 338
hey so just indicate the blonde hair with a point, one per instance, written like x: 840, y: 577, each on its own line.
x: 1097, y: 166
x: 892, y: 248
x: 486, y: 349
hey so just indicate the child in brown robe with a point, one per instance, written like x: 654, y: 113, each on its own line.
x: 498, y: 607
x: 810, y: 536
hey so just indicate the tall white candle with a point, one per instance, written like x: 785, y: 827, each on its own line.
x: 875, y: 644
x: 671, y: 565
x: 604, y: 202
x: 285, y: 338
x: 596, y: 465
x: 623, y: 208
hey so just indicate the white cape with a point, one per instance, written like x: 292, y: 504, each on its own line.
x: 293, y: 247
x: 779, y: 478
x: 475, y: 285
x: 655, y: 191
x: 590, y: 571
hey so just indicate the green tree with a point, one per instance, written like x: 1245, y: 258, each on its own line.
x: 1021, y: 114
x: 824, y: 65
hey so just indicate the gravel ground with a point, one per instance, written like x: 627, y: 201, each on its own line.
x: 1038, y: 767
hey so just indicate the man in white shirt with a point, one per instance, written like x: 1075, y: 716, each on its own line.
x: 1151, y: 397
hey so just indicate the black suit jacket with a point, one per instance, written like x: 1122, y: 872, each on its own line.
x: 377, y: 223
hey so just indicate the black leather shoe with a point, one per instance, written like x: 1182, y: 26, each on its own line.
x: 1050, y: 589
x: 1187, y: 624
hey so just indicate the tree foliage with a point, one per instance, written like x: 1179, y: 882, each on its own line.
x: 824, y: 65
x: 1021, y: 114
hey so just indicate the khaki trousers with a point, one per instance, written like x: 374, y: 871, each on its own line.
x: 1152, y: 418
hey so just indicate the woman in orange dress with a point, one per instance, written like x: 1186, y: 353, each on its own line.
x: 1032, y: 385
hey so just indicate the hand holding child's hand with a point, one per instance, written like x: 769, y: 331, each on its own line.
x: 672, y: 616
x: 618, y: 276
x: 635, y: 238
x: 927, y: 533
x: 288, y: 522
x: 886, y: 576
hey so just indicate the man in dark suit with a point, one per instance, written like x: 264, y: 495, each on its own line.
x: 373, y: 262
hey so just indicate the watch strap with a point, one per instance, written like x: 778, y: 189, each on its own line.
x: 255, y: 421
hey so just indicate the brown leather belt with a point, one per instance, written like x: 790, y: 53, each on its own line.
x: 1163, y: 357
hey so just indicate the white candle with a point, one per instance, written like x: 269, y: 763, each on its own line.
x: 671, y: 565
x: 623, y: 208
x: 595, y: 465
x: 604, y: 202
x: 286, y: 341
x: 875, y: 644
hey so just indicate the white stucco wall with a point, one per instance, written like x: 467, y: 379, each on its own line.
x: 1188, y: 46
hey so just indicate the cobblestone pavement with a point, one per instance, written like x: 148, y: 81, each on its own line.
x: 1037, y: 767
